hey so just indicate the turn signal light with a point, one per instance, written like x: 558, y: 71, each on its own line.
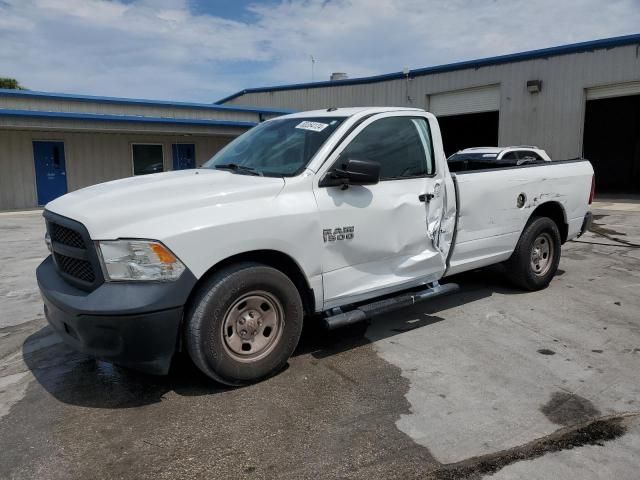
x: 164, y: 255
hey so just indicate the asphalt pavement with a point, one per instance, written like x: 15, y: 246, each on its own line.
x: 490, y: 382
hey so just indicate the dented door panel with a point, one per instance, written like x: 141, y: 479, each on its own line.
x: 384, y: 237
x: 388, y: 244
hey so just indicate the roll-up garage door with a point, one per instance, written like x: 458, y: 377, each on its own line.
x: 610, y: 91
x: 460, y: 102
x: 612, y: 136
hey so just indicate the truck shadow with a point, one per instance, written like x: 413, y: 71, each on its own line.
x: 76, y: 379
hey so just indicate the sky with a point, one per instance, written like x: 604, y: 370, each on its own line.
x: 203, y: 50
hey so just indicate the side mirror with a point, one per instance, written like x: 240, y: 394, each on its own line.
x: 354, y: 172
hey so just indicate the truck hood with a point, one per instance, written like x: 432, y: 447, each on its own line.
x: 107, y: 209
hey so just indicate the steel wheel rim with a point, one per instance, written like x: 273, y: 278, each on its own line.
x: 252, y: 326
x: 542, y: 253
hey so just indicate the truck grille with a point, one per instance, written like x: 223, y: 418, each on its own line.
x: 74, y: 254
x: 75, y: 267
x: 66, y: 236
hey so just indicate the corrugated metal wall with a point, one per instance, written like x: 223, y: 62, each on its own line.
x: 552, y: 119
x: 90, y: 157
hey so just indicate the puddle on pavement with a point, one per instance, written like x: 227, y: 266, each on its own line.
x: 609, y: 233
x: 334, y: 411
x: 569, y: 409
x: 602, y: 229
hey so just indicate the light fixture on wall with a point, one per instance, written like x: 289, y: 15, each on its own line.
x: 534, y: 86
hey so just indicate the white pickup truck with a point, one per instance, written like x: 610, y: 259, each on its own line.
x: 333, y: 215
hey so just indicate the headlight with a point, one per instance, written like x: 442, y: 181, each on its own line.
x: 138, y: 260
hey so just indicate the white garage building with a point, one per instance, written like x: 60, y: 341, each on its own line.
x: 51, y: 144
x: 574, y: 100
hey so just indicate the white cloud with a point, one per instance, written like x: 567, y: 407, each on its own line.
x: 160, y: 49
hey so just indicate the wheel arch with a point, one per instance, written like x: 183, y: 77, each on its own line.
x: 555, y: 211
x: 275, y: 259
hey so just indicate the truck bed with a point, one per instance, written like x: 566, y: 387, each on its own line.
x: 490, y: 220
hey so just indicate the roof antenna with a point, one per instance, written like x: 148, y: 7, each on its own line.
x: 313, y: 62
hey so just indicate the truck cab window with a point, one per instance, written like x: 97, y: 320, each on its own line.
x: 402, y: 146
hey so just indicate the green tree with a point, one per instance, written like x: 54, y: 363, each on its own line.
x: 11, y: 84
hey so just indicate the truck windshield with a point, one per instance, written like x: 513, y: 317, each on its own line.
x: 281, y: 148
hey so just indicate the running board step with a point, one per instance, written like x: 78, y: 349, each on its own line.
x: 369, y: 310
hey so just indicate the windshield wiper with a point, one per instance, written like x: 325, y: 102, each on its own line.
x: 239, y: 168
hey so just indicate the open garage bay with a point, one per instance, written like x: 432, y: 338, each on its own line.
x: 612, y: 143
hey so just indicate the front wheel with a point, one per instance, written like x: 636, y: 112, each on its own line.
x: 244, y: 323
x: 535, y: 259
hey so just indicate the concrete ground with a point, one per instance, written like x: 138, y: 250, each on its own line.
x: 490, y: 382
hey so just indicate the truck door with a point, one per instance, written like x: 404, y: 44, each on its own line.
x: 384, y: 237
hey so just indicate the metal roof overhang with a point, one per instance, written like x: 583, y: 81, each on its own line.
x: 589, y: 46
x: 136, y: 101
x: 130, y: 124
x: 123, y: 118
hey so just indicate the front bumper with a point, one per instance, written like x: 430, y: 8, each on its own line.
x: 127, y: 323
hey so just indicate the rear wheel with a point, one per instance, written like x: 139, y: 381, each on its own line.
x: 535, y: 259
x: 244, y: 323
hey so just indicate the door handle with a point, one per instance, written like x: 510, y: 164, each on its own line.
x: 425, y: 197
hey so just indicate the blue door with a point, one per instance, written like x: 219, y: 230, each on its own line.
x: 51, y: 176
x: 184, y: 156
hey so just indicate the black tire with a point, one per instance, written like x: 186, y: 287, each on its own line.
x: 521, y: 266
x: 208, y: 338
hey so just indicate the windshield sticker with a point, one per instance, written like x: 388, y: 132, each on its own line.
x: 313, y: 126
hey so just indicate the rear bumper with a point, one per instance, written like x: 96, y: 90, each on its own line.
x: 586, y: 223
x: 130, y: 324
